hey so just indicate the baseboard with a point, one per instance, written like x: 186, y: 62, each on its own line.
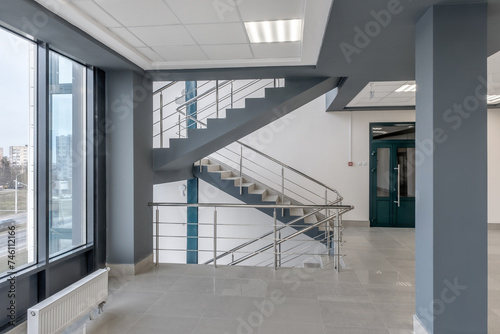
x: 493, y: 226
x: 418, y: 328
x: 22, y: 328
x: 356, y: 223
x: 131, y: 269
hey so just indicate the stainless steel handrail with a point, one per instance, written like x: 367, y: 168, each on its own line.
x: 255, y: 206
x: 293, y: 235
x: 159, y: 90
x: 339, y: 210
x: 288, y: 167
x: 266, y: 234
x: 201, y: 96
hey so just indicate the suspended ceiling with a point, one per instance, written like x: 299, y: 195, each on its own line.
x: 185, y: 34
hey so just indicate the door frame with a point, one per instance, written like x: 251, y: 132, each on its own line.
x: 373, y: 144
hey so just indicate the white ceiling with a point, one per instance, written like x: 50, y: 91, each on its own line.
x: 184, y: 34
x: 382, y: 93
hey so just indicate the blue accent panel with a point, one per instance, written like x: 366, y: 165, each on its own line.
x: 192, y: 222
x: 192, y: 109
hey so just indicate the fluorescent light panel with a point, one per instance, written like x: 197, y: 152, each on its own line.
x: 406, y: 88
x: 274, y: 31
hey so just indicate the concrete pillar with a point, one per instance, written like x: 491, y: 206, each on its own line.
x: 129, y: 140
x: 451, y: 183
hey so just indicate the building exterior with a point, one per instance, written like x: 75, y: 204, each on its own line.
x: 18, y: 155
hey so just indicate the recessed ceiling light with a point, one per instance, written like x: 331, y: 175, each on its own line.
x: 406, y: 88
x: 274, y: 31
x: 493, y: 99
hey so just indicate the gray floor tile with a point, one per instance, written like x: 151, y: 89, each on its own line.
x: 354, y: 330
x: 177, y: 304
x: 290, y: 328
x: 153, y: 324
x: 240, y: 287
x: 295, y: 310
x: 221, y: 326
x: 190, y: 284
x: 348, y: 314
x: 233, y: 307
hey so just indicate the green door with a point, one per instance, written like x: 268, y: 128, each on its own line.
x: 392, y: 183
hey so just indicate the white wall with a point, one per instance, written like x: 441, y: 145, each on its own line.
x: 317, y: 143
x: 241, y: 224
x: 493, y: 163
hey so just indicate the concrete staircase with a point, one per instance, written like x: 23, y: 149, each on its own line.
x: 175, y: 163
x: 253, y: 192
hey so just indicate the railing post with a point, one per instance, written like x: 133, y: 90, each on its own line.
x: 275, y: 242
x: 241, y: 170
x: 179, y: 122
x: 279, y: 248
x: 217, y: 98
x: 187, y: 120
x: 157, y: 236
x: 326, y: 203
x: 215, y: 237
x: 337, y: 242
x: 282, y: 190
x: 161, y: 119
x: 232, y: 92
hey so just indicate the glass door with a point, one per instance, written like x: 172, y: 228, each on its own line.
x: 392, y: 183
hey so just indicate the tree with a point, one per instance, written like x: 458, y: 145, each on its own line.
x: 5, y: 172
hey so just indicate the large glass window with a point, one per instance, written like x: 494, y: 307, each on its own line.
x: 17, y: 163
x: 67, y: 152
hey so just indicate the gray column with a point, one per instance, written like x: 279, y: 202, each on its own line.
x: 451, y: 213
x: 129, y: 139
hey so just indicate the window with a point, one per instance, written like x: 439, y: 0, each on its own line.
x: 17, y: 143
x: 67, y: 154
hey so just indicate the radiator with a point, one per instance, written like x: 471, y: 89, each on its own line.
x: 59, y: 311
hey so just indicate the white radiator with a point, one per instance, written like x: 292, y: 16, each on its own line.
x: 59, y: 311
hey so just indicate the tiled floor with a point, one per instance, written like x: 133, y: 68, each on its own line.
x: 375, y: 296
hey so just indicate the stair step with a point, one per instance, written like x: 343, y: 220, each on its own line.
x: 258, y: 191
x: 296, y: 212
x: 312, y: 219
x: 213, y: 168
x: 223, y: 173
x: 204, y: 162
x: 250, y: 186
x: 271, y: 198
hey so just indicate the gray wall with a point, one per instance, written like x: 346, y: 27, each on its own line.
x: 129, y: 167
x: 451, y: 216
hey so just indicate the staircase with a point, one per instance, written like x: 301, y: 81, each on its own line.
x: 203, y: 146
x: 175, y: 163
x: 253, y: 192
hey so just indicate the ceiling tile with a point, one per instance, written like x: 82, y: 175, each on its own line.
x: 97, y: 13
x: 277, y: 50
x: 133, y: 13
x: 163, y: 35
x: 179, y: 53
x: 218, y: 33
x: 151, y: 54
x: 230, y: 51
x: 127, y: 36
x: 204, y: 11
x: 266, y: 10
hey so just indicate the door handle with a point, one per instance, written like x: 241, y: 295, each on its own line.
x: 399, y: 185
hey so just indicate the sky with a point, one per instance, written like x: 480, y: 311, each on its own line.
x: 14, y: 91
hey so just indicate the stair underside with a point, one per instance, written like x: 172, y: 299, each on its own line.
x: 175, y: 163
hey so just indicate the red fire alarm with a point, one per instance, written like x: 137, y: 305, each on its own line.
x: 350, y: 163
